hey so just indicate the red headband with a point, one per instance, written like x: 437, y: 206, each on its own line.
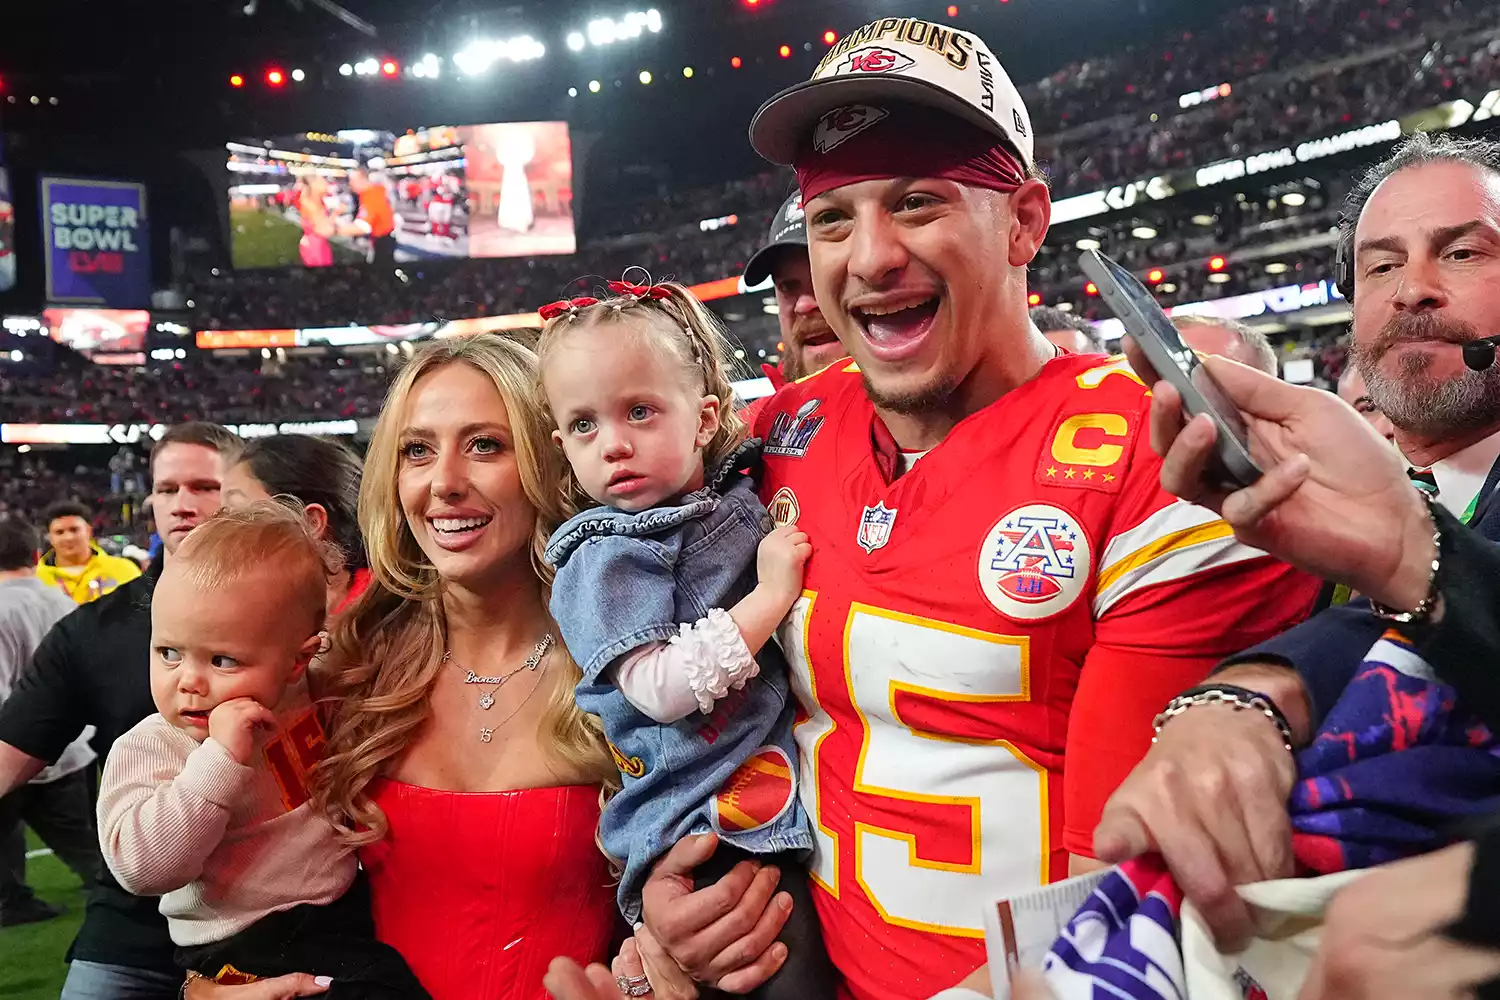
x: 864, y: 143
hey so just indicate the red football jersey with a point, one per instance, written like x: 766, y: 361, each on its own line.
x: 1024, y: 593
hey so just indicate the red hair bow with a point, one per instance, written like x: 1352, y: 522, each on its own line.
x: 554, y: 309
x: 639, y: 291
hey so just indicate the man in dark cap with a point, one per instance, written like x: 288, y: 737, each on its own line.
x: 811, y: 344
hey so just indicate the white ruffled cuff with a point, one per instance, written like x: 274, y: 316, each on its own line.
x: 715, y: 657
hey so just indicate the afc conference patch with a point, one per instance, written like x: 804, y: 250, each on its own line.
x: 875, y: 526
x: 1034, y: 562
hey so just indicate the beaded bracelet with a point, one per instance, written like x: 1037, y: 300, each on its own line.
x: 1423, y: 611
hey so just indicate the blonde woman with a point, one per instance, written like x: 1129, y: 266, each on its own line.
x: 456, y: 756
x: 317, y: 225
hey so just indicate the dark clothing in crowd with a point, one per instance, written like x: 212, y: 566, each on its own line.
x: 94, y: 668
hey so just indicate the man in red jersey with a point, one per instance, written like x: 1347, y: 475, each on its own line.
x: 999, y: 583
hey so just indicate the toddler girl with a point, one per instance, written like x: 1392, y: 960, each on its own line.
x: 670, y: 581
x: 205, y: 803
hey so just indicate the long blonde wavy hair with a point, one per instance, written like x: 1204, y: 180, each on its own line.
x: 387, y: 650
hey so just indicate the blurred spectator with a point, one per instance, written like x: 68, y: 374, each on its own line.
x: 74, y: 564
x: 1352, y: 391
x: 1228, y: 338
x: 1070, y: 332
x: 58, y: 802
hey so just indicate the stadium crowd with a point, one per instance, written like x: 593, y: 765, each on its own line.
x: 539, y: 610
x: 1288, y: 63
x: 229, y: 390
x: 1241, y: 45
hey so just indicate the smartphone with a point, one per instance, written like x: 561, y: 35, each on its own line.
x: 1176, y: 363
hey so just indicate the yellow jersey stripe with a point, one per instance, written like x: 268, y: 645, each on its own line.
x: 1162, y: 546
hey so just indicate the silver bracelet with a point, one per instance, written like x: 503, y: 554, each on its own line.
x: 1423, y: 611
x: 1237, y: 698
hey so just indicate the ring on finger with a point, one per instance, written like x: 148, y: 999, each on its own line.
x: 634, y: 986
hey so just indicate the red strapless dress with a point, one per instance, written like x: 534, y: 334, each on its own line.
x: 480, y: 891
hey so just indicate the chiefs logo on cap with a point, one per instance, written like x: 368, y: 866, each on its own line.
x: 794, y: 210
x: 757, y: 794
x: 842, y: 124
x: 876, y: 59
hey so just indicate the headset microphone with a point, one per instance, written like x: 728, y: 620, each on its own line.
x: 1480, y: 354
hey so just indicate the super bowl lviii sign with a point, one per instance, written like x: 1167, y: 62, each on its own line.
x: 97, y: 241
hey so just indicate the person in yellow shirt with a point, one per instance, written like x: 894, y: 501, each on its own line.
x: 76, y: 565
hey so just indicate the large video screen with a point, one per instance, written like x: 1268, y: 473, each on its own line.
x: 107, y: 336
x: 362, y: 196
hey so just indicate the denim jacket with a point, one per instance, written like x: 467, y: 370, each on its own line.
x: 626, y: 579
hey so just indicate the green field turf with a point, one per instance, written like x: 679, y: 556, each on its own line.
x: 269, y: 240
x: 31, y: 957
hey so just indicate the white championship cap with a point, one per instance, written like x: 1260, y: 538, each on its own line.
x: 894, y: 59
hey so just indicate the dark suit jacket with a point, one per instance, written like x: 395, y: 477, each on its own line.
x: 1328, y: 647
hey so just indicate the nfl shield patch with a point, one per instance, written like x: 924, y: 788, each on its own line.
x: 875, y: 527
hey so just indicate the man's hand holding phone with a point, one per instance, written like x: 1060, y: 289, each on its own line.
x: 1334, y: 499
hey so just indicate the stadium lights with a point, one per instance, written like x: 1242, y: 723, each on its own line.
x: 645, y: 77
x: 1219, y: 278
x: 1216, y: 263
x: 576, y: 41
x: 785, y: 52
x: 1294, y: 199
x: 606, y: 31
x: 298, y: 76
x: 830, y: 36
x: 736, y: 62
x: 1155, y: 275
x: 1203, y: 220
x: 429, y: 67
x: 346, y: 70
x: 275, y: 77
x: 687, y: 72
x: 1143, y: 233
x: 367, y: 66
x: 1034, y: 299
x: 236, y: 80
x: 479, y: 55
x: 572, y: 91
x: 1087, y: 244
x: 1276, y: 267
x: 593, y: 86
x: 1091, y: 289
x: 953, y: 10
x: 390, y: 67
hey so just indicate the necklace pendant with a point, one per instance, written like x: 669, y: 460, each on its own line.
x: 485, y: 735
x: 486, y: 701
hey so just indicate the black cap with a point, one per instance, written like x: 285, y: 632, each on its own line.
x: 788, y: 229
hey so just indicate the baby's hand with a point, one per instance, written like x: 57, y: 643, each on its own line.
x: 233, y: 724
x: 781, y: 559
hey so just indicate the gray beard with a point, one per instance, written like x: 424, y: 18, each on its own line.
x: 1420, y: 405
